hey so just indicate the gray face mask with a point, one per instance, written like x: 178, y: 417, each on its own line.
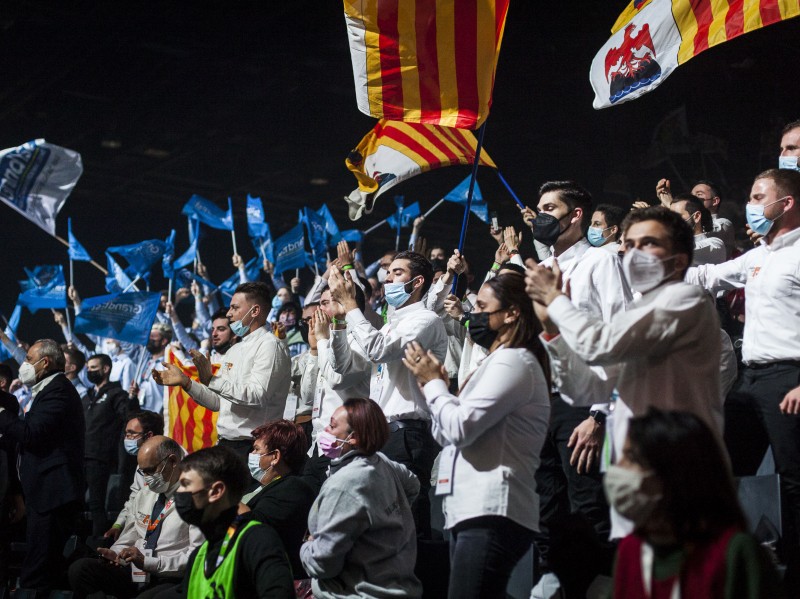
x: 624, y: 491
x: 156, y: 482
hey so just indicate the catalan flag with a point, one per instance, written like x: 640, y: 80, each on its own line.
x: 191, y: 425
x: 653, y: 37
x: 395, y: 151
x: 425, y: 61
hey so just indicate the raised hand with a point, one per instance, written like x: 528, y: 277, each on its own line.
x: 502, y: 255
x: 456, y: 264
x: 60, y: 320
x: 343, y: 290
x: 497, y: 234
x: 454, y: 307
x: 424, y: 366
x: 203, y: 365
x: 638, y: 205
x: 74, y: 297
x: 344, y: 255
x: 528, y: 216
x: 322, y: 325
x: 171, y: 377
x: 542, y: 284
x: 195, y: 289
x: 664, y: 192
x: 512, y: 240
x: 268, y: 267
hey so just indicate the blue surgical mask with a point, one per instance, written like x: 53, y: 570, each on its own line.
x: 238, y: 328
x: 788, y: 162
x: 595, y: 236
x: 396, y: 294
x: 755, y: 217
x: 254, y: 464
x: 277, y: 302
x: 131, y: 446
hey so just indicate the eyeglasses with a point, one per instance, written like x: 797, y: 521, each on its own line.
x: 134, y: 435
x: 151, y: 471
x: 306, y: 320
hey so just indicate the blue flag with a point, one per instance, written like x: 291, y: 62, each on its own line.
x: 190, y: 255
x: 121, y: 316
x: 48, y: 288
x: 169, y: 254
x: 76, y: 250
x: 331, y: 230
x: 185, y: 278
x: 142, y: 256
x: 209, y: 213
x: 228, y: 287
x: 264, y: 248
x: 11, y: 330
x: 117, y: 280
x: 478, y: 207
x: 404, y: 217
x: 353, y: 236
x: 256, y: 227
x: 289, y: 251
x: 316, y: 231
x: 322, y: 262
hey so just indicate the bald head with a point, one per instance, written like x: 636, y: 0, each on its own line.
x: 160, y: 454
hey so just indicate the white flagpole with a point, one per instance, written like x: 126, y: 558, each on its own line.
x: 383, y: 222
x: 69, y: 323
x: 316, y: 268
x: 139, y: 365
x: 233, y: 236
x: 169, y: 291
x: 435, y: 206
x: 133, y: 284
x: 71, y: 281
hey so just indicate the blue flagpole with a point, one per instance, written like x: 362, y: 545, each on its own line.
x: 475, y: 164
x: 508, y: 187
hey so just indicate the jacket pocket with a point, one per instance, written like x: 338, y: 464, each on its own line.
x: 51, y: 462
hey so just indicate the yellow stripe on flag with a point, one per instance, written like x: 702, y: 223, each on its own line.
x: 716, y: 33
x: 487, y: 59
x: 446, y: 56
x: 752, y: 15
x: 789, y: 8
x: 627, y: 15
x: 406, y: 29
x: 374, y: 79
x: 687, y: 25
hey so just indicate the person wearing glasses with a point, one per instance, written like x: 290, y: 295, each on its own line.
x: 152, y: 551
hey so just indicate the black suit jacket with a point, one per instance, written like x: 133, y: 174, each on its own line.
x: 51, y: 446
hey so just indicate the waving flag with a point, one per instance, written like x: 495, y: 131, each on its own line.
x: 190, y: 255
x: 653, y: 37
x: 331, y: 228
x: 209, y: 213
x: 76, y: 250
x: 191, y: 425
x: 404, y: 217
x: 229, y: 286
x: 142, y: 256
x: 316, y: 231
x: 289, y: 252
x: 121, y: 316
x: 169, y: 254
x: 353, y: 235
x: 13, y: 323
x: 393, y: 152
x: 425, y: 62
x: 36, y: 179
x: 116, y: 281
x: 258, y: 229
x: 45, y: 288
x: 478, y: 206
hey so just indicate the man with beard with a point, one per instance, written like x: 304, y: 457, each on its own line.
x: 153, y: 399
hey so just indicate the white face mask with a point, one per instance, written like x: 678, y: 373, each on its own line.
x: 254, y: 464
x: 110, y: 348
x: 788, y: 162
x: 156, y: 482
x: 623, y: 489
x: 644, y: 271
x: 27, y: 373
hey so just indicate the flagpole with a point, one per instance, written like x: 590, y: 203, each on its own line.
x: 263, y: 254
x: 467, y: 208
x: 233, y: 236
x: 71, y: 281
x: 316, y: 268
x: 399, y: 227
x: 508, y: 187
x: 95, y: 264
x: 133, y: 284
x: 69, y: 323
x: 139, y: 365
x: 383, y: 222
x: 435, y: 206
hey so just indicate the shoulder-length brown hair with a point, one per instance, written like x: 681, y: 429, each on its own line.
x: 368, y: 423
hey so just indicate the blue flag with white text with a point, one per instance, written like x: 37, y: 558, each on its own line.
x: 121, y: 316
x: 353, y: 236
x: 169, y: 254
x: 259, y: 229
x: 45, y: 288
x: 116, y: 281
x: 316, y: 232
x: 209, y: 213
x: 460, y: 194
x: 142, y: 256
x: 190, y: 255
x: 331, y: 229
x: 228, y: 287
x: 404, y: 217
x: 289, y: 250
x: 76, y: 250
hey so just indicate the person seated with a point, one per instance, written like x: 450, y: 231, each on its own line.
x: 155, y: 541
x: 362, y: 534
x: 282, y: 499
x: 689, y: 539
x: 241, y: 557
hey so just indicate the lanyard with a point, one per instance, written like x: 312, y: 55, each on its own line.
x: 151, y: 528
x: 647, y: 557
x: 225, y: 542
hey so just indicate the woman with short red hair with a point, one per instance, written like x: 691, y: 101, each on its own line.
x: 363, y: 541
x: 284, y: 498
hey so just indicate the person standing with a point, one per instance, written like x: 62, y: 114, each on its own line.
x: 707, y: 249
x: 493, y: 433
x: 253, y: 381
x: 51, y: 441
x: 75, y: 362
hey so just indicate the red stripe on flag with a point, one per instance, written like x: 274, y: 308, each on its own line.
x: 427, y: 60
x: 466, y: 27
x: 177, y: 429
x: 392, y: 81
x: 208, y: 428
x: 734, y: 19
x: 437, y: 143
x: 191, y: 423
x: 704, y: 16
x: 500, y: 11
x: 770, y: 12
x: 413, y: 145
x: 458, y: 139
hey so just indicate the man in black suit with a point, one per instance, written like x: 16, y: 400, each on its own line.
x: 51, y: 449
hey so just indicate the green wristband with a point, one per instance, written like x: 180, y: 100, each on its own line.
x: 347, y: 267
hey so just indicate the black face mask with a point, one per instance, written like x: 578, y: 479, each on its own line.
x: 95, y: 376
x: 479, y: 329
x: 547, y: 228
x: 303, y: 328
x: 152, y: 347
x: 222, y: 347
x: 184, y: 505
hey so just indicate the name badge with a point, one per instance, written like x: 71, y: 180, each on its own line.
x: 376, y: 384
x: 447, y: 465
x: 138, y: 575
x: 291, y: 407
x: 318, y: 391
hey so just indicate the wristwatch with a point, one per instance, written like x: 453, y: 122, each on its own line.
x: 599, y: 417
x: 465, y: 319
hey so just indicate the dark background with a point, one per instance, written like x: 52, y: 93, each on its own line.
x: 168, y: 99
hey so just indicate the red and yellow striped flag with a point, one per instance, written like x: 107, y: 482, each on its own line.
x: 651, y: 38
x: 425, y: 61
x: 192, y: 426
x: 395, y: 151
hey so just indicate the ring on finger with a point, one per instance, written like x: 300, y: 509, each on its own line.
x: 418, y: 358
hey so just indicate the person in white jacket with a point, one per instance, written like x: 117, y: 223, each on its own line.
x: 156, y: 542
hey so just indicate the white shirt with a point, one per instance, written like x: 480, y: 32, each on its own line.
x: 723, y: 229
x: 176, y: 541
x: 611, y: 247
x: 250, y: 387
x: 394, y: 388
x: 665, y: 350
x: 708, y: 250
x: 498, y: 423
x: 770, y: 276
x: 328, y: 388
x: 123, y: 370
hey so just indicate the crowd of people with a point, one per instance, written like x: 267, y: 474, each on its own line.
x: 594, y: 402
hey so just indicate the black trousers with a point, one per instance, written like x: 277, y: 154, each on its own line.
x: 483, y: 553
x: 562, y: 491
x: 47, y: 533
x: 753, y: 421
x: 415, y: 448
x: 90, y: 575
x: 97, y: 475
x: 242, y: 447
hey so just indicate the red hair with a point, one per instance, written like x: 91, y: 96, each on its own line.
x: 368, y: 423
x: 287, y: 437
